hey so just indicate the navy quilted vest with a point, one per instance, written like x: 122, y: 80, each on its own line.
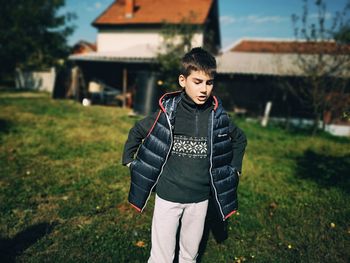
x: 153, y: 153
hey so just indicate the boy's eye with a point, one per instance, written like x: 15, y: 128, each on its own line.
x: 210, y: 82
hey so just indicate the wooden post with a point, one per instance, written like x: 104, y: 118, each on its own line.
x: 125, y: 85
x: 265, y: 119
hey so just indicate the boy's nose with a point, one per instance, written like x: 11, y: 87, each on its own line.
x: 203, y: 88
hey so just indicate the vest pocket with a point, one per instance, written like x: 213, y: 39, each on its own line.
x: 132, y: 165
x: 234, y: 174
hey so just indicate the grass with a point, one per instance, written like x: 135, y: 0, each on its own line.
x: 63, y: 190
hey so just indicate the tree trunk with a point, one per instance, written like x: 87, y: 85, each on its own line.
x: 288, y: 111
x: 315, y: 125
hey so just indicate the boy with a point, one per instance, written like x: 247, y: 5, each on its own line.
x: 188, y: 151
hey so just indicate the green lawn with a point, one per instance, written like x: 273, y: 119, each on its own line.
x: 63, y: 191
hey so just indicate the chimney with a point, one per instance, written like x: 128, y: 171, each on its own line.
x: 129, y: 8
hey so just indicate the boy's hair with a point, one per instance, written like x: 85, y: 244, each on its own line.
x: 198, y: 59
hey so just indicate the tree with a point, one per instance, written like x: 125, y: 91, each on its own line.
x: 177, y: 40
x: 325, y: 73
x: 32, y: 34
x: 343, y: 35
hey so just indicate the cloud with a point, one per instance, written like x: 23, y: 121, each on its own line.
x: 327, y: 16
x: 252, y: 19
x: 96, y: 6
x: 264, y: 19
x: 227, y: 20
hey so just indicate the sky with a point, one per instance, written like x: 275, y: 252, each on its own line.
x: 238, y: 18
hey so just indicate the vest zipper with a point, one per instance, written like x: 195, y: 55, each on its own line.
x: 196, y: 122
x: 166, y: 159
x: 211, y: 164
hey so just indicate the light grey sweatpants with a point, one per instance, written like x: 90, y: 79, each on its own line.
x: 165, y: 222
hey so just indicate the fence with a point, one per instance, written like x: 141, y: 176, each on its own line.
x: 36, y: 80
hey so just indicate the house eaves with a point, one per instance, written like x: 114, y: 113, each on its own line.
x: 142, y: 53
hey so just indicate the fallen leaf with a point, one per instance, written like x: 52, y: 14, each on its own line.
x: 273, y: 205
x: 140, y: 244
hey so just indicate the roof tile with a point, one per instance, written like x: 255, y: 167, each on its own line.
x: 156, y: 12
x: 267, y: 46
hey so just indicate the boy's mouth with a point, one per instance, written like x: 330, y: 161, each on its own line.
x: 202, y: 97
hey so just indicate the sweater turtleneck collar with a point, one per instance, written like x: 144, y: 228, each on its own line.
x: 190, y: 105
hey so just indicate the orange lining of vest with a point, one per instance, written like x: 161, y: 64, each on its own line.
x: 154, y: 124
x: 230, y: 214
x: 134, y: 206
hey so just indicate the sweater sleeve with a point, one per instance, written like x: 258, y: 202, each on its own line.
x: 136, y: 136
x: 239, y: 143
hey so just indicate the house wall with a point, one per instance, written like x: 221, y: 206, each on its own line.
x: 212, y: 39
x: 109, y: 40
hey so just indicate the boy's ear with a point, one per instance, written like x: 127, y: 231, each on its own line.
x: 182, y: 81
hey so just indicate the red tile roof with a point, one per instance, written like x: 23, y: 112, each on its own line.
x: 156, y: 12
x: 83, y: 47
x: 267, y: 46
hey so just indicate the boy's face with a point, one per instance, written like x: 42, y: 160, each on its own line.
x: 198, y: 86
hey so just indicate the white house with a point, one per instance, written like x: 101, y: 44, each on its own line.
x: 130, y: 23
x: 129, y: 38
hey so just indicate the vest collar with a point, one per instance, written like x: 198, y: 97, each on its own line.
x: 177, y: 93
x: 191, y: 106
